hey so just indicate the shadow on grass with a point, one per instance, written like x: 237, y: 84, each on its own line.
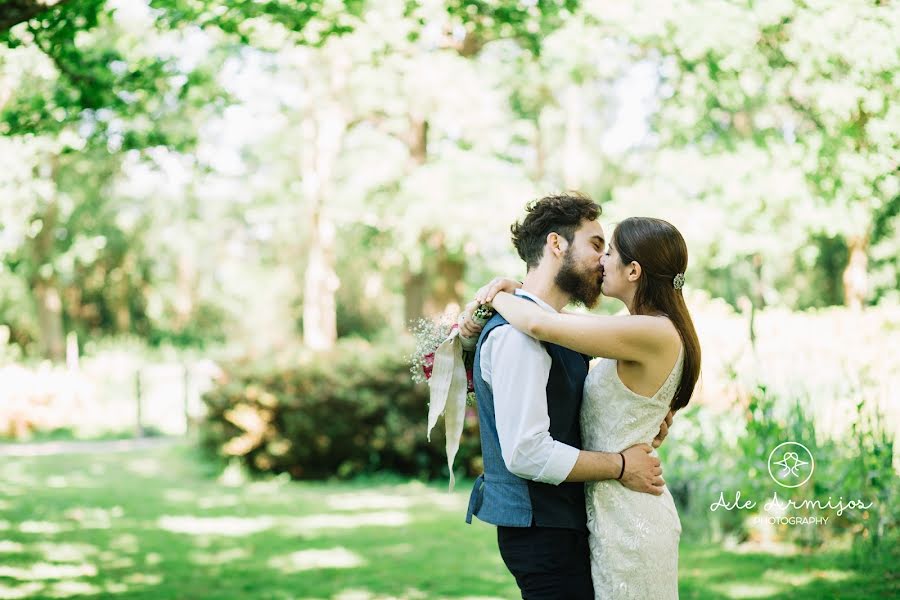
x: 162, y: 524
x: 713, y: 573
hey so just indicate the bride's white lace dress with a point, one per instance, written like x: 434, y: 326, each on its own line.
x: 633, y: 536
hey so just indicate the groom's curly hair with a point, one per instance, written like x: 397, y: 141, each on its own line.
x: 561, y: 213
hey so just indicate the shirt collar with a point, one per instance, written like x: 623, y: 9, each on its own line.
x: 538, y: 301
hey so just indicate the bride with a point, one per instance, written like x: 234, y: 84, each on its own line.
x: 650, y: 364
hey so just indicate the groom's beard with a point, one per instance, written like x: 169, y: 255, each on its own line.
x: 583, y: 285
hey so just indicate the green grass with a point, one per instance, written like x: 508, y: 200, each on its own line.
x: 164, y: 524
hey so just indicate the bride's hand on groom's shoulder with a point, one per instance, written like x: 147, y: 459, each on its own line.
x: 499, y: 284
x: 643, y: 472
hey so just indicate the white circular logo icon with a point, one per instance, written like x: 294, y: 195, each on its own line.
x: 791, y: 464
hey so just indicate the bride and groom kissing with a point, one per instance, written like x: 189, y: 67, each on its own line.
x: 571, y: 480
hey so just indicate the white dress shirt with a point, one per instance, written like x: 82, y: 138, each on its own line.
x: 516, y: 368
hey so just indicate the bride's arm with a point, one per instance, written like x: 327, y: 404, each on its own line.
x: 634, y: 337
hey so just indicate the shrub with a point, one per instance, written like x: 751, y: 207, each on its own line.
x: 350, y: 411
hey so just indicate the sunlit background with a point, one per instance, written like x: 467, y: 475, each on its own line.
x: 219, y: 219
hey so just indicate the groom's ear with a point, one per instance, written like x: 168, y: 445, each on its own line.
x: 557, y: 244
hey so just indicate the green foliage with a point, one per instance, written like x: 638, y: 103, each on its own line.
x: 351, y: 411
x: 711, y: 453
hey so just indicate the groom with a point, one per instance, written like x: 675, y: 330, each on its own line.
x: 529, y: 400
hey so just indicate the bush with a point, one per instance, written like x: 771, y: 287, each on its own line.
x: 711, y: 452
x: 350, y: 411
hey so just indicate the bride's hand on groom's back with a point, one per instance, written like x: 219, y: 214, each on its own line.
x: 643, y: 472
x: 663, y: 429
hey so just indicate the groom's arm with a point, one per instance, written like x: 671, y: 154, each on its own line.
x: 635, y: 467
x: 517, y: 368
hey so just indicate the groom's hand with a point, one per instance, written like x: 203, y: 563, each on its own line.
x: 663, y: 430
x: 642, y: 471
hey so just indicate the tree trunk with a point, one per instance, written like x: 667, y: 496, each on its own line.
x: 415, y: 282
x: 50, y: 322
x: 415, y: 291
x: 445, y: 291
x: 540, y: 156
x: 856, y: 279
x: 43, y: 280
x: 13, y: 12
x: 572, y: 146
x: 185, y: 278
x: 323, y: 135
x: 418, y: 141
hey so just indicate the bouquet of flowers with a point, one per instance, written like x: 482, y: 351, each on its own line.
x: 431, y: 334
x: 445, y: 361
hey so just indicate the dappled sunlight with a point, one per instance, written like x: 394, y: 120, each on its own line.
x: 397, y: 550
x: 41, y: 570
x: 125, y: 542
x: 13, y: 474
x: 69, y: 480
x: 427, y: 496
x: 272, y: 485
x: 772, y: 547
x: 359, y: 594
x: 91, y: 517
x: 403, y: 497
x: 19, y: 591
x: 222, y: 501
x: 329, y: 521
x: 146, y: 467
x: 243, y: 526
x: 368, y: 500
x: 799, y: 579
x: 65, y: 552
x: 111, y: 560
x: 305, y: 560
x: 747, y: 590
x: 64, y: 589
x: 408, y: 594
x: 4, y: 525
x: 10, y: 547
x: 43, y: 527
x: 143, y: 579
x: 219, y: 558
x: 176, y: 495
x: 228, y: 526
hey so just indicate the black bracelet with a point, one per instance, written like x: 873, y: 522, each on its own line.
x: 619, y: 478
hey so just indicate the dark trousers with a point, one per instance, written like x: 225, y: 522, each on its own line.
x: 548, y: 563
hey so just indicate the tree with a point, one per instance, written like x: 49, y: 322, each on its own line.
x: 13, y: 12
x: 85, y: 94
x: 761, y: 80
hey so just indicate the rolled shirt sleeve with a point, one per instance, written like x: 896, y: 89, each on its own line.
x: 517, y: 368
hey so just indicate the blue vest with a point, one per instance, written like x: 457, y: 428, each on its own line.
x: 501, y: 498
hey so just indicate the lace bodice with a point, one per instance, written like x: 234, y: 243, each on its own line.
x: 613, y: 417
x: 633, y: 536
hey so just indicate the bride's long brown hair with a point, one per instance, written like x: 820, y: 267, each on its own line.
x: 662, y: 253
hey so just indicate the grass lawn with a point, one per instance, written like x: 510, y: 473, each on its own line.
x: 161, y: 523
